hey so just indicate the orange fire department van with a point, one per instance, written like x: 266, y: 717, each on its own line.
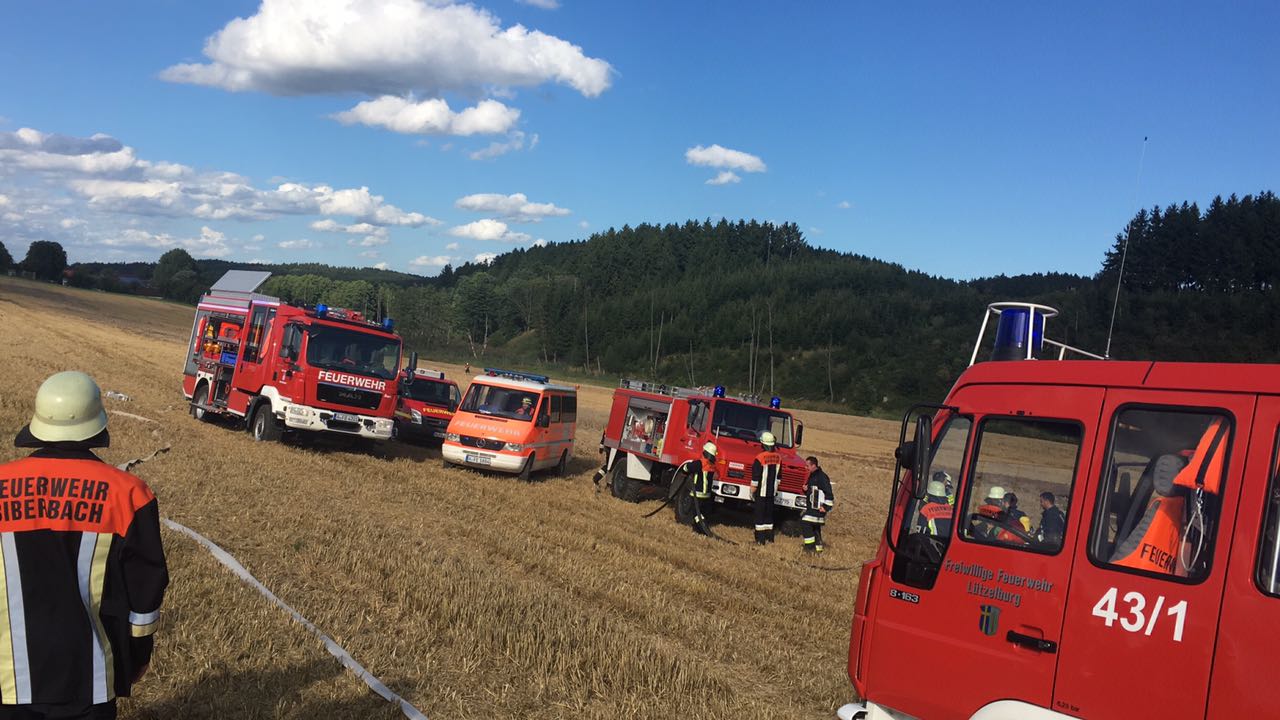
x: 1078, y: 538
x: 514, y: 422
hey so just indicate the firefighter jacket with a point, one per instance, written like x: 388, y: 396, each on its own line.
x: 935, y: 516
x: 704, y: 472
x: 819, y: 496
x: 83, y: 575
x: 765, y: 471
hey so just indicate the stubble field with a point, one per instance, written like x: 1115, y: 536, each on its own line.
x: 471, y: 595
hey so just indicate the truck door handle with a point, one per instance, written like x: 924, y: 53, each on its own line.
x: 1034, y: 643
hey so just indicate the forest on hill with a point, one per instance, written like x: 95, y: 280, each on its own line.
x: 754, y: 306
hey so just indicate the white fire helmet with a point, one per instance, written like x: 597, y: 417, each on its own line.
x: 995, y: 495
x: 936, y: 488
x: 767, y: 439
x: 710, y: 449
x: 68, y: 408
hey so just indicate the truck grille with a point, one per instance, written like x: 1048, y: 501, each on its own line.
x: 792, y: 479
x: 481, y: 443
x: 348, y: 396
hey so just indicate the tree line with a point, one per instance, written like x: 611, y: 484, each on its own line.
x: 755, y: 307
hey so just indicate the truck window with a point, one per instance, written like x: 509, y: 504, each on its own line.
x: 1023, y: 472
x: 1268, y: 575
x: 336, y: 348
x: 697, y: 420
x: 747, y: 422
x: 557, y: 405
x: 933, y: 514
x: 258, y: 328
x: 1158, y: 503
x: 570, y: 411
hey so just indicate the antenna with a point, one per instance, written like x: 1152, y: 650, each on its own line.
x: 1124, y: 253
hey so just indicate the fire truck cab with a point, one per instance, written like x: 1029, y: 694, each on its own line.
x: 285, y: 368
x: 427, y: 403
x: 1078, y: 538
x: 653, y: 430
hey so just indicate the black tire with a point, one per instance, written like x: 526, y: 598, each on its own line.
x: 201, y: 397
x: 526, y: 472
x: 685, y: 508
x: 562, y: 467
x: 623, y: 487
x: 264, y: 426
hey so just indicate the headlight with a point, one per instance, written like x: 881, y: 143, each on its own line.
x: 451, y: 437
x: 417, y: 417
x: 513, y: 447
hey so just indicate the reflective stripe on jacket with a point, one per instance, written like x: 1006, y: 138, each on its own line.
x: 765, y: 471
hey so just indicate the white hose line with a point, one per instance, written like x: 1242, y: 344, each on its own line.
x: 334, y: 648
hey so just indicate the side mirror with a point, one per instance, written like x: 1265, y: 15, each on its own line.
x: 413, y: 362
x: 544, y: 421
x: 799, y: 433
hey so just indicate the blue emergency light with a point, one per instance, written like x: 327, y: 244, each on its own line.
x: 387, y: 324
x: 718, y: 392
x: 1011, y: 333
x: 322, y: 310
x: 775, y: 402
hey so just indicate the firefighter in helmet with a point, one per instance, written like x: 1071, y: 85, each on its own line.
x: 704, y: 471
x: 765, y: 472
x: 934, y: 517
x: 820, y: 501
x: 85, y: 564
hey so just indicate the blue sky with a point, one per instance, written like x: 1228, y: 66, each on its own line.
x: 959, y: 139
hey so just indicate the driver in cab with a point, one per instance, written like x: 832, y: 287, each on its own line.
x: 526, y: 408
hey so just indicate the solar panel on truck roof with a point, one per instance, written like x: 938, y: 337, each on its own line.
x: 240, y: 282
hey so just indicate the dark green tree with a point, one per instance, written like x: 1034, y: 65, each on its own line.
x: 45, y: 259
x: 6, y: 260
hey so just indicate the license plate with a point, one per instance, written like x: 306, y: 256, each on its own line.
x: 345, y: 417
x: 479, y: 459
x: 438, y: 433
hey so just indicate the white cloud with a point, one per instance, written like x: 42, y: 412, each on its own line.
x: 844, y: 205
x: 515, y: 208
x: 485, y: 258
x: 451, y: 247
x: 370, y: 254
x: 385, y: 47
x: 369, y: 241
x: 489, y: 229
x: 431, y: 117
x: 724, y: 158
x: 584, y: 224
x: 380, y: 266
x: 515, y: 141
x: 543, y: 4
x: 364, y: 228
x: 724, y: 178
x: 4, y: 200
x: 210, y: 242
x: 327, y: 225
x: 425, y: 261
x: 68, y: 223
x: 301, y: 244
x: 539, y: 243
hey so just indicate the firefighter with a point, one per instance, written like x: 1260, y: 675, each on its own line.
x: 526, y: 408
x: 934, y: 517
x: 704, y: 472
x: 765, y: 471
x: 1053, y: 524
x: 992, y: 507
x: 82, y: 561
x: 820, y: 502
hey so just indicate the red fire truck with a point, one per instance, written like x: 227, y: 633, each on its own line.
x: 1078, y: 538
x: 427, y: 404
x: 654, y: 429
x: 284, y: 368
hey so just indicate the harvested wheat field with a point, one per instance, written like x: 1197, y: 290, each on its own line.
x: 471, y: 595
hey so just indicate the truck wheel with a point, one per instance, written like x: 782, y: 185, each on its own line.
x: 562, y: 467
x: 201, y: 398
x: 265, y: 427
x: 623, y: 487
x: 685, y: 508
x: 526, y: 472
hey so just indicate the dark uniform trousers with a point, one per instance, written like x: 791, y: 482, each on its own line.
x: 765, y: 471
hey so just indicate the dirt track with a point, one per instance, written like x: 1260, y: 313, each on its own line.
x: 473, y: 596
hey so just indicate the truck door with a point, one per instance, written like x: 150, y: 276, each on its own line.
x: 977, y: 588
x: 1249, y: 631
x: 1146, y: 587
x: 249, y: 376
x: 289, y: 382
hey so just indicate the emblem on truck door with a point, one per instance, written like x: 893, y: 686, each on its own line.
x: 989, y: 619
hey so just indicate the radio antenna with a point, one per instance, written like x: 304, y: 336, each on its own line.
x: 1124, y: 252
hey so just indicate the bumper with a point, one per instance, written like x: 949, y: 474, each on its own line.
x: 426, y: 430
x: 304, y: 417
x: 722, y: 491
x: 487, y: 459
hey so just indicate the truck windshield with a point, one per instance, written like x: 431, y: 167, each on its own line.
x: 509, y: 403
x: 336, y: 348
x: 746, y: 422
x: 429, y: 391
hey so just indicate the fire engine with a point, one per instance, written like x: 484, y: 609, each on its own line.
x: 654, y: 429
x: 281, y: 368
x: 427, y: 404
x: 1077, y: 538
